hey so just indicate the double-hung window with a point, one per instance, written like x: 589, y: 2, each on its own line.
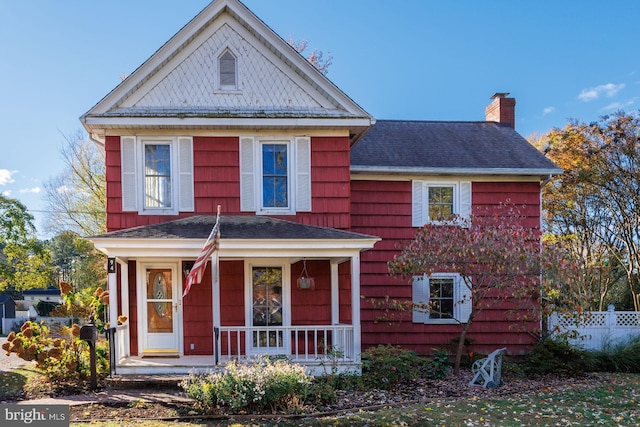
x: 441, y: 298
x: 275, y: 175
x: 440, y: 201
x: 157, y: 175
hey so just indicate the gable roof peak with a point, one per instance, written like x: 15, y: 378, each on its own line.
x: 176, y: 86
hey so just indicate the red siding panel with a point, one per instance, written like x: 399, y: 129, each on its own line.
x: 311, y: 306
x: 133, y: 309
x: 217, y: 182
x: 383, y: 208
x: 197, y: 316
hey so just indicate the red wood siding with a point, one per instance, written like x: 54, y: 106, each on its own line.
x: 232, y: 293
x: 133, y: 310
x: 311, y: 306
x: 383, y: 208
x: 217, y: 182
x: 344, y: 292
x: 197, y: 316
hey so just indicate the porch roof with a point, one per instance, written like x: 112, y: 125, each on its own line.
x: 233, y: 227
x: 246, y: 235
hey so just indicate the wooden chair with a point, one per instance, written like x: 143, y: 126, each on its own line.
x: 488, y: 371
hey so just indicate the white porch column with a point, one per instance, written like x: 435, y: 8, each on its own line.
x: 124, y: 289
x: 335, y: 294
x: 355, y: 305
x: 112, y: 282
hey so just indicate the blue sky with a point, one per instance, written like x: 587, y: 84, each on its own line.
x: 419, y: 60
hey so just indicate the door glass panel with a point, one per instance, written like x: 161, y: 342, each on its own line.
x: 159, y: 301
x: 267, y: 306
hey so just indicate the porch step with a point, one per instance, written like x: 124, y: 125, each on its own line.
x: 128, y: 382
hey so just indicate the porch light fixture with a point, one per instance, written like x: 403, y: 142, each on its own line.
x: 304, y: 281
x: 186, y: 268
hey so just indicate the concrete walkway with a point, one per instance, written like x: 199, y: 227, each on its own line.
x: 114, y: 396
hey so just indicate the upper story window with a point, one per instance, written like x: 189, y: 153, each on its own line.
x: 275, y: 175
x: 227, y: 66
x: 438, y: 201
x: 157, y: 175
x: 441, y: 298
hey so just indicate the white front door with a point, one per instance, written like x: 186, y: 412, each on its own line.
x: 159, y: 321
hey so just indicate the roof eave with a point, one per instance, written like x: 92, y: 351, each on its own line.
x: 543, y: 173
x: 233, y: 248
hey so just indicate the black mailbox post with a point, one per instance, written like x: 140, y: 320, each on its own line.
x: 89, y: 333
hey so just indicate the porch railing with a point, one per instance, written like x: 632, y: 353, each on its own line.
x: 302, y: 344
x: 118, y: 343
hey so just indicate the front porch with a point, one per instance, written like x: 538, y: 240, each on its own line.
x: 251, y: 302
x: 319, y: 348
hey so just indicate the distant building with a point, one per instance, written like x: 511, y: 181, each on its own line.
x: 52, y: 294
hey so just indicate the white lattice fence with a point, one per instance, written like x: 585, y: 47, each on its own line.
x: 596, y: 328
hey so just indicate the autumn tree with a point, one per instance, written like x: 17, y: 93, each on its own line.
x: 315, y: 57
x: 24, y: 261
x: 497, y: 256
x: 594, y: 206
x: 77, y: 261
x: 76, y: 198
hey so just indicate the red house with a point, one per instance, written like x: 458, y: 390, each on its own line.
x: 315, y: 198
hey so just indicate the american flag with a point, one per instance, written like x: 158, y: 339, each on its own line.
x: 210, y: 247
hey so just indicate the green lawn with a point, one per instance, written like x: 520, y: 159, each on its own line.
x: 614, y: 404
x: 13, y: 382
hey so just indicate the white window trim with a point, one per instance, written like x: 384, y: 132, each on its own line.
x: 298, y: 175
x: 462, y: 303
x: 228, y: 89
x: 291, y: 180
x: 133, y: 171
x: 420, y: 199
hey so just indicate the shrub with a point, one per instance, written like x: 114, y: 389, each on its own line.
x: 557, y: 356
x: 62, y: 358
x: 438, y: 367
x: 266, y: 385
x: 385, y: 366
x: 621, y: 357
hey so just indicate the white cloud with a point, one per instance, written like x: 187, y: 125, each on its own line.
x: 5, y: 176
x: 614, y: 106
x: 609, y: 90
x: 6, y: 193
x: 548, y: 110
x: 30, y: 190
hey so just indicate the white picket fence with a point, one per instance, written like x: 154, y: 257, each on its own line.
x: 594, y: 329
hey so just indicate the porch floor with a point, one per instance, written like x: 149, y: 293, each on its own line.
x: 182, y: 365
x: 176, y: 368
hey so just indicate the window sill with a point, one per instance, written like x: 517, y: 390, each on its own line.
x: 159, y: 212
x: 440, y: 322
x: 227, y: 92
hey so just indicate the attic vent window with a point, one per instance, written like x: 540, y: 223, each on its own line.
x: 227, y: 67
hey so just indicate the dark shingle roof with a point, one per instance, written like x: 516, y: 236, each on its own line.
x: 232, y: 227
x: 51, y: 290
x: 447, y: 145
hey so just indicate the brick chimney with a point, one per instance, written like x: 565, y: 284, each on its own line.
x: 502, y: 109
